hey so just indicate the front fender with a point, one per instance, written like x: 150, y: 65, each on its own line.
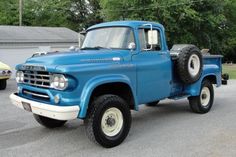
x: 97, y: 81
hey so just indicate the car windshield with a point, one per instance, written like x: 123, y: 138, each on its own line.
x: 109, y: 38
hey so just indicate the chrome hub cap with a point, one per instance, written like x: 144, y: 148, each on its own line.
x: 112, y: 122
x: 205, y: 96
x: 194, y: 65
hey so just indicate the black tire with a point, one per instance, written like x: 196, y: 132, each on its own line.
x: 48, y: 122
x: 189, y: 71
x: 93, y: 121
x: 152, y: 104
x: 3, y: 84
x: 197, y: 105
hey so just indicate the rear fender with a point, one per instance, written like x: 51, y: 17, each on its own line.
x: 208, y: 71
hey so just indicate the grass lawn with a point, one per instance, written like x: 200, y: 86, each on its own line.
x: 230, y: 69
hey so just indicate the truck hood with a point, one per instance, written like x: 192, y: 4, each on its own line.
x: 76, y: 57
x: 4, y: 66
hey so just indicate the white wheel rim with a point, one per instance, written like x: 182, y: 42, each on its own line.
x: 194, y: 65
x: 112, y: 122
x: 205, y: 96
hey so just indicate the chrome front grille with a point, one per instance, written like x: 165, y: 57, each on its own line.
x: 37, y: 78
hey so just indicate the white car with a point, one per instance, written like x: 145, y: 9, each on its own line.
x: 5, y: 74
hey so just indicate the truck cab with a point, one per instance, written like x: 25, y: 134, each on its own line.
x: 120, y: 66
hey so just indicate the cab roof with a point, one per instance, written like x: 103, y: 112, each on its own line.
x: 125, y: 23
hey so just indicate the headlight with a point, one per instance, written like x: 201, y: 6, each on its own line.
x: 59, y: 82
x: 19, y: 76
x: 9, y: 72
x: 5, y: 73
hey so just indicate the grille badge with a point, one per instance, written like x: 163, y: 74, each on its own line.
x: 33, y: 68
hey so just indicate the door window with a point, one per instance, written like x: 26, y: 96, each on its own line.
x: 143, y: 38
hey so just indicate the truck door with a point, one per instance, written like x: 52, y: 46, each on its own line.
x: 153, y: 67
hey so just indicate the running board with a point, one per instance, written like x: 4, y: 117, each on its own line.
x: 176, y: 97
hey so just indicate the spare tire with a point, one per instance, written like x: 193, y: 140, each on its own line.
x: 189, y: 64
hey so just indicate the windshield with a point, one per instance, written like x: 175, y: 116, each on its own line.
x: 109, y: 38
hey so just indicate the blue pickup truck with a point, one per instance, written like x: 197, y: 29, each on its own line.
x: 119, y: 66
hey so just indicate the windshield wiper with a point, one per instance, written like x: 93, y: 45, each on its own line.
x: 95, y: 48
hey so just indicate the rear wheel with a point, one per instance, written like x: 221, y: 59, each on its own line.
x: 203, y: 102
x: 3, y: 84
x: 48, y: 122
x: 108, y: 120
x: 151, y: 104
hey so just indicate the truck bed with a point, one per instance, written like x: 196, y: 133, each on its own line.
x: 211, y: 68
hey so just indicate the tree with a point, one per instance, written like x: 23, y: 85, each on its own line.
x: 230, y: 41
x: 74, y: 14
x: 205, y: 23
x: 46, y: 13
x: 84, y: 13
x: 186, y: 21
x: 9, y: 12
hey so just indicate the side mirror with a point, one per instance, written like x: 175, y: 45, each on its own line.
x: 152, y: 37
x: 131, y: 46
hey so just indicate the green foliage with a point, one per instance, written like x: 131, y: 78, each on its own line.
x: 9, y: 12
x: 205, y: 23
x: 186, y: 21
x: 84, y: 13
x: 75, y: 14
x: 46, y: 13
x: 230, y: 41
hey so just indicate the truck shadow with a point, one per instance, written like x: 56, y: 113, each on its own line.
x: 164, y: 114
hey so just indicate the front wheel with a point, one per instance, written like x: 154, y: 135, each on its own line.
x: 48, y: 122
x: 108, y: 121
x: 203, y: 102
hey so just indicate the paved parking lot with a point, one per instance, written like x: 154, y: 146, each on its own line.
x: 170, y: 129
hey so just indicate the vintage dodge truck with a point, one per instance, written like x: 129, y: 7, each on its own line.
x: 120, y: 66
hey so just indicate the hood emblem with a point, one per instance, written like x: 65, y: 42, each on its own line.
x: 97, y: 60
x: 116, y: 58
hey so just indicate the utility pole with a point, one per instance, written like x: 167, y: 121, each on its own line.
x: 20, y: 12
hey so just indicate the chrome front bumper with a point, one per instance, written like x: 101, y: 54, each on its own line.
x: 46, y: 110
